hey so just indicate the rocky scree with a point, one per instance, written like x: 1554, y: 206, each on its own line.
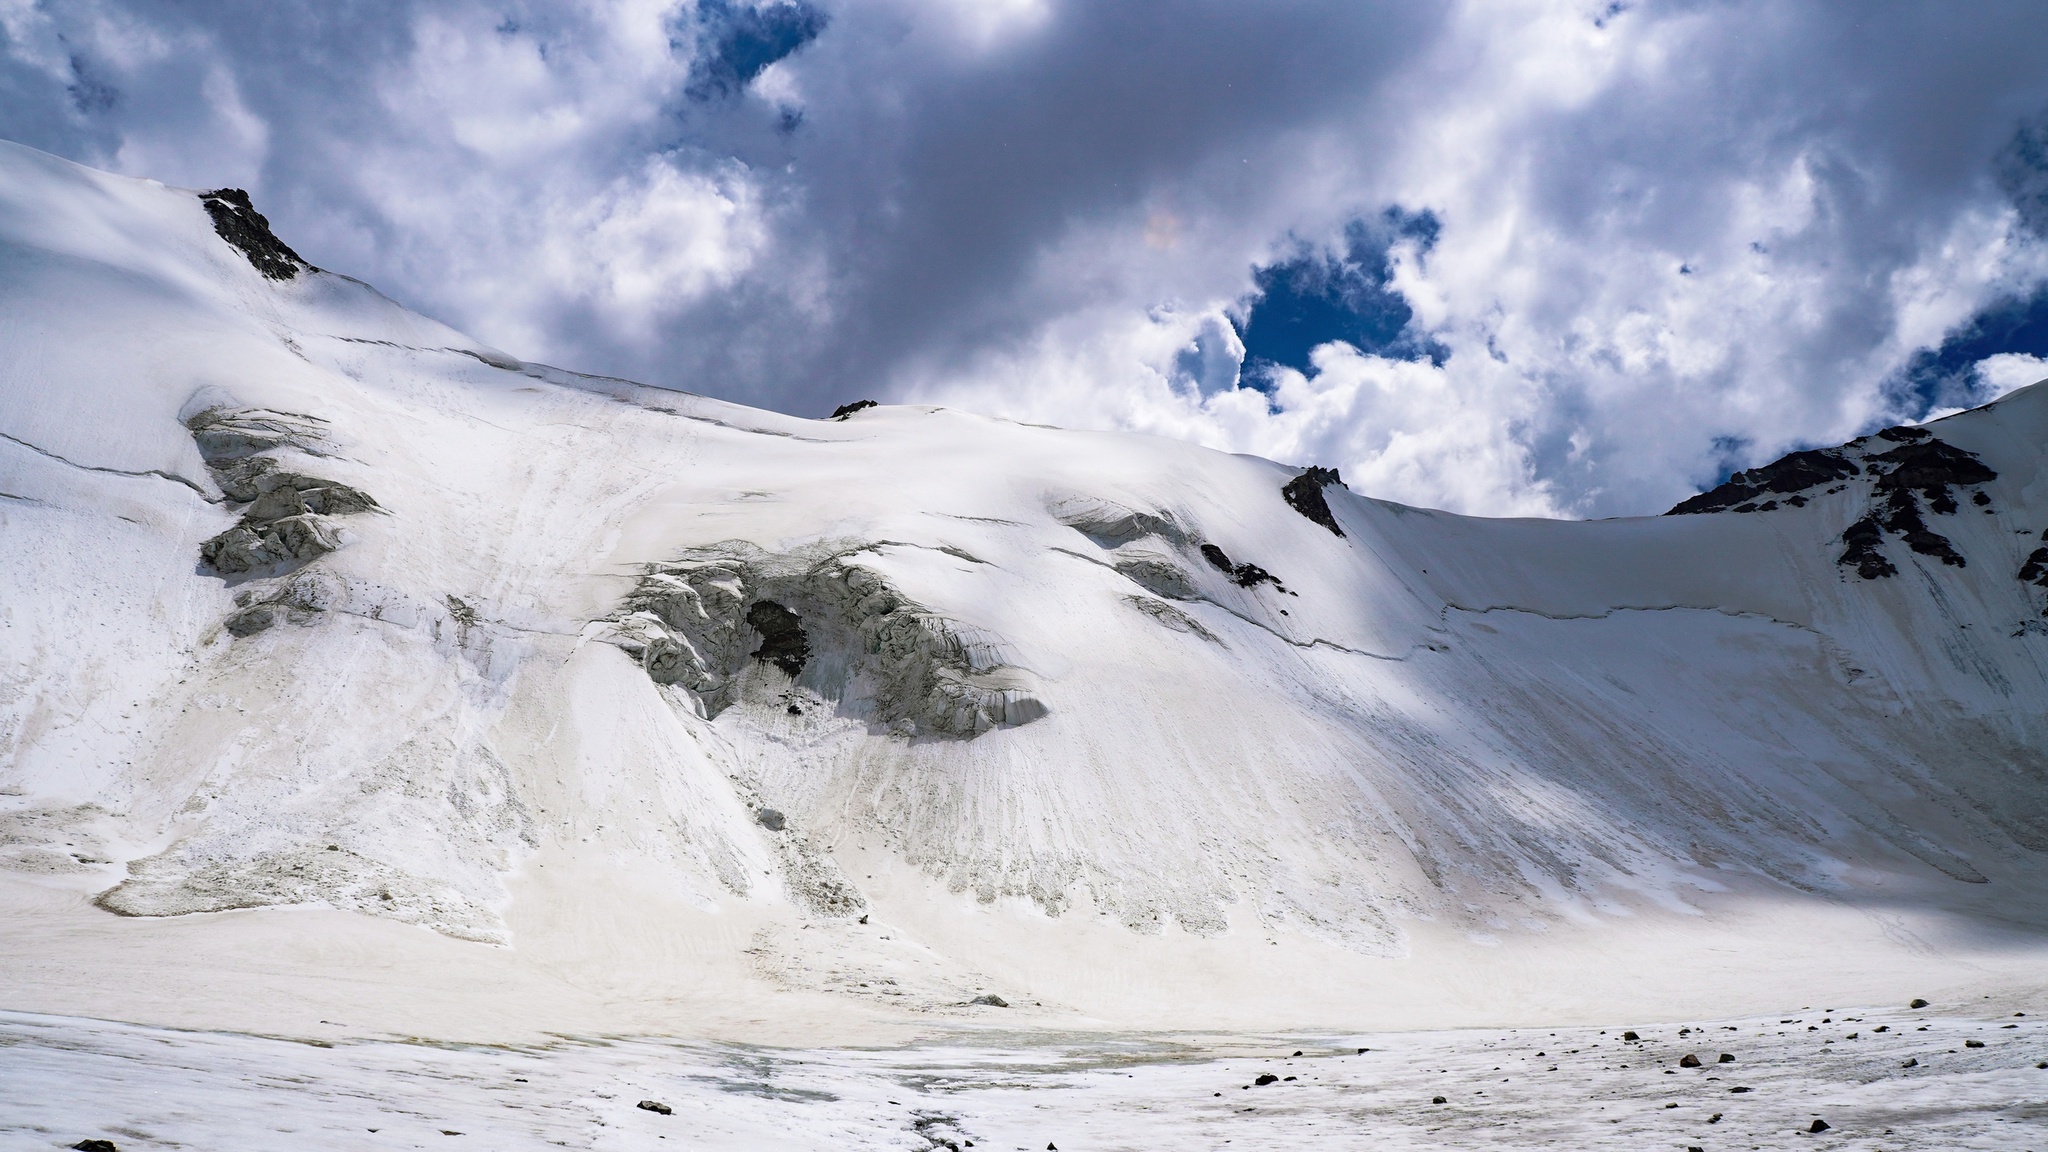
x: 287, y: 521
x: 1304, y: 494
x: 1906, y: 465
x: 693, y: 623
x: 238, y: 223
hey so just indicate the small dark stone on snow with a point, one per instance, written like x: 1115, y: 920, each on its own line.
x: 1438, y: 1100
x: 1725, y: 1059
x: 1689, y: 1061
x: 1297, y: 1052
x: 990, y: 1000
x: 771, y: 819
x: 1917, y: 1003
x: 1363, y: 1051
x: 1630, y: 1036
x: 1911, y: 1062
x: 1819, y: 1126
x: 795, y: 711
x: 1265, y: 1078
x: 655, y: 1106
x: 1742, y: 1089
x: 1973, y: 1043
x: 96, y: 1145
x: 845, y: 410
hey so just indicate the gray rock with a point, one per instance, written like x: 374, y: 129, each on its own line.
x: 290, y: 541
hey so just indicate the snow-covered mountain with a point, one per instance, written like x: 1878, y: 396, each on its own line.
x: 315, y: 608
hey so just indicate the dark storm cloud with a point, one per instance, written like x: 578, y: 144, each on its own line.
x: 934, y: 184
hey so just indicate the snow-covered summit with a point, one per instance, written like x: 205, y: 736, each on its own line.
x: 309, y: 602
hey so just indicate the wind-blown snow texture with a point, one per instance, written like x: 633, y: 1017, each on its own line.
x: 309, y: 600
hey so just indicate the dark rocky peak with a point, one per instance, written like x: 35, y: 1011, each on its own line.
x: 1788, y: 476
x: 1304, y: 494
x: 1929, y: 466
x: 238, y: 223
x: 845, y: 410
x: 1921, y: 467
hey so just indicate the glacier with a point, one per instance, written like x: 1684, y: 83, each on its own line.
x: 351, y: 668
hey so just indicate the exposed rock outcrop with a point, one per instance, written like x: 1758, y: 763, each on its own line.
x: 1747, y: 491
x: 692, y: 622
x: 287, y: 522
x: 1304, y: 494
x: 1920, y: 468
x: 238, y: 223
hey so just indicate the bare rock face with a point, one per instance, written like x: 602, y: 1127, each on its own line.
x: 236, y: 220
x: 703, y: 621
x: 256, y: 546
x: 287, y: 522
x: 1905, y: 467
x: 1304, y: 494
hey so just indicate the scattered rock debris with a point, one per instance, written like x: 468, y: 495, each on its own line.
x: 770, y: 819
x: 1304, y: 494
x: 238, y: 223
x: 991, y: 1000
x: 845, y: 410
x: 1265, y: 1078
x: 656, y: 1107
x: 1689, y: 1061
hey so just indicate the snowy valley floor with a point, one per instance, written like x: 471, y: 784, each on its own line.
x: 1878, y: 1078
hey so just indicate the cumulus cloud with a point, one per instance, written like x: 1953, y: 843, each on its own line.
x: 1518, y: 256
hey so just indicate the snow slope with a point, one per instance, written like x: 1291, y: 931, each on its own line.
x: 476, y: 723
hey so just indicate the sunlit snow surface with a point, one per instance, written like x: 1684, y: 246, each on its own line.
x: 64, y: 1079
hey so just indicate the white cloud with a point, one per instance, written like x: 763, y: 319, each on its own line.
x: 2003, y: 373
x: 1673, y: 239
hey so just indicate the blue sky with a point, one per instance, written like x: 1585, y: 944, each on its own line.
x: 1521, y: 257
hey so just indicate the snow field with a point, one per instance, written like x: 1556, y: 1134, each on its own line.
x: 66, y: 1079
